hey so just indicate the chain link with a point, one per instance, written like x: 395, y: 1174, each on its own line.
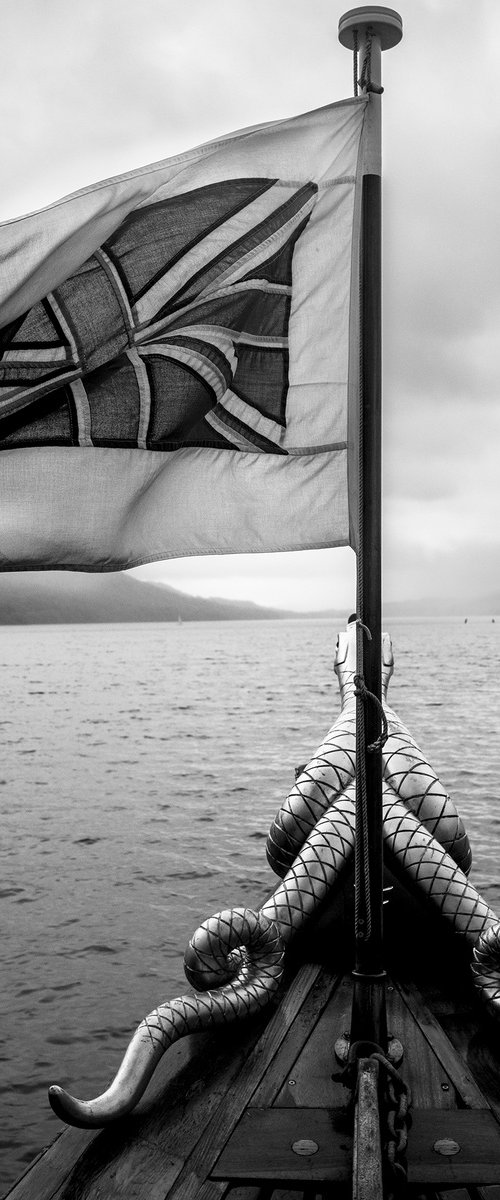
x: 397, y: 1120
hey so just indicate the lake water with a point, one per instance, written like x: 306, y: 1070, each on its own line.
x: 142, y: 766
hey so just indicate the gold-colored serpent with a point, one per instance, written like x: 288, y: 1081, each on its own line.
x: 235, y: 959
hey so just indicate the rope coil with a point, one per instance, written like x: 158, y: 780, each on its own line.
x: 365, y: 79
x: 355, y: 61
x: 364, y: 694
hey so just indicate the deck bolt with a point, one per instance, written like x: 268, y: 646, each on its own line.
x: 446, y: 1146
x: 305, y: 1146
x: 292, y: 1082
x: 445, y: 1087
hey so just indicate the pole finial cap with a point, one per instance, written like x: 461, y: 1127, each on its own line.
x: 385, y: 23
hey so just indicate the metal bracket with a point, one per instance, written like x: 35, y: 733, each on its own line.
x: 394, y: 1052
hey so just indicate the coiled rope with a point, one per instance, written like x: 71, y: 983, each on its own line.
x: 369, y: 697
x: 355, y: 61
x: 365, y: 79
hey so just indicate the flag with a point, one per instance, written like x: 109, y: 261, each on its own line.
x: 178, y: 355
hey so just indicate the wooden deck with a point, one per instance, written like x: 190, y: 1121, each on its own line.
x: 253, y: 1112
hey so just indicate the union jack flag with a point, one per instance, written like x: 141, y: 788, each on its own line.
x: 177, y: 372
x: 173, y: 333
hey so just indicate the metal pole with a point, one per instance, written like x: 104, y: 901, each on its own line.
x: 369, y: 598
x: 371, y: 30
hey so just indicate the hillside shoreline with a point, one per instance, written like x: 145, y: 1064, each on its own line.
x: 60, y: 597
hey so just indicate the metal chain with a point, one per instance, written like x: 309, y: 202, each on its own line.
x: 397, y: 1122
x: 395, y: 1119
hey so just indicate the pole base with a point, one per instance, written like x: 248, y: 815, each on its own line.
x: 394, y: 1051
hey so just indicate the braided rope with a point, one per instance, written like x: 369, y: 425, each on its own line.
x: 365, y: 77
x: 365, y: 695
x: 355, y: 62
x: 365, y: 81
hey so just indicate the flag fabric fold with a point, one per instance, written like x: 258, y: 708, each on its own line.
x: 177, y: 373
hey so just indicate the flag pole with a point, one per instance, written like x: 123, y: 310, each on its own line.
x: 367, y: 31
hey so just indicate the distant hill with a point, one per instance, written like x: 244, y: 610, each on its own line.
x: 69, y: 597
x: 455, y: 606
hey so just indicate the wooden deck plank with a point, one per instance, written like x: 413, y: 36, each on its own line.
x: 310, y: 1082
x: 431, y: 1085
x: 478, y: 1159
x: 192, y: 1182
x: 476, y: 1040
x: 286, y: 1081
x: 309, y: 1191
x: 312, y: 1190
x: 246, y: 1192
x: 451, y: 1061
x: 262, y: 1147
x: 456, y: 1194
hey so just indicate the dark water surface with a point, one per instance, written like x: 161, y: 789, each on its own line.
x: 142, y: 766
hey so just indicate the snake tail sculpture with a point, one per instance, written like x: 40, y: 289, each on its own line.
x: 235, y: 960
x: 239, y: 950
x: 248, y: 951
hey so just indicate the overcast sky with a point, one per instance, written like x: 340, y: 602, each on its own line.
x: 90, y: 88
